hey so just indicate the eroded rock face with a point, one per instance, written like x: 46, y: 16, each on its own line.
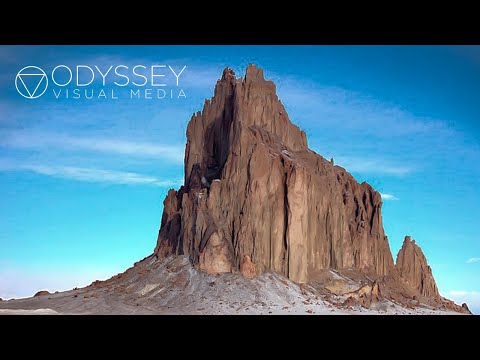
x: 413, y: 268
x: 365, y: 296
x: 256, y: 198
x: 41, y: 293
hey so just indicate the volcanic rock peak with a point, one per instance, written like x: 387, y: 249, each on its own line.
x: 412, y: 266
x: 256, y: 198
x: 255, y: 193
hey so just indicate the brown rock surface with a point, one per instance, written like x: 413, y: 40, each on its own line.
x: 413, y: 268
x: 446, y: 304
x: 254, y: 189
x: 42, y: 293
x: 247, y: 268
x: 366, y: 295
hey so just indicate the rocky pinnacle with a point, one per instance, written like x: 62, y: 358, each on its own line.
x: 256, y: 198
x: 413, y: 268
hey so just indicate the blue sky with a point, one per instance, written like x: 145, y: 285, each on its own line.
x: 82, y: 181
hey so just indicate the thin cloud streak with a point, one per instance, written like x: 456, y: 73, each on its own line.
x: 388, y: 197
x: 373, y: 166
x: 32, y: 140
x: 351, y: 110
x: 473, y: 260
x: 90, y: 174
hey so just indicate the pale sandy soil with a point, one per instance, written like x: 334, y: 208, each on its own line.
x: 28, y: 312
x: 172, y: 286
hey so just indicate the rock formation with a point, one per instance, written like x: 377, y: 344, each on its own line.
x: 41, y: 293
x: 255, y: 197
x: 413, y: 268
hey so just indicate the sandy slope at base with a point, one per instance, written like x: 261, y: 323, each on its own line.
x: 173, y: 286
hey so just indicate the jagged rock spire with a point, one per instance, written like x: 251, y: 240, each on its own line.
x: 412, y: 266
x: 271, y: 202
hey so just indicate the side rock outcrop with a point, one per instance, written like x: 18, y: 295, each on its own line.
x: 413, y: 268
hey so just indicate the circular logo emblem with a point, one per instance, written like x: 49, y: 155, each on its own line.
x: 31, y: 82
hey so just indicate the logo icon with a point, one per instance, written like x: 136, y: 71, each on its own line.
x: 31, y: 82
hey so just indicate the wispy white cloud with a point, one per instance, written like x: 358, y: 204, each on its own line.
x: 473, y: 260
x: 198, y: 77
x: 373, y: 166
x: 89, y: 174
x: 351, y: 123
x: 471, y: 298
x: 388, y: 197
x: 351, y: 110
x: 33, y: 140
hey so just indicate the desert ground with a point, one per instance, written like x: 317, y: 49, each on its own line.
x: 173, y: 286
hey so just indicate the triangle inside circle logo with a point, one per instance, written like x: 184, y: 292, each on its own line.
x: 31, y: 82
